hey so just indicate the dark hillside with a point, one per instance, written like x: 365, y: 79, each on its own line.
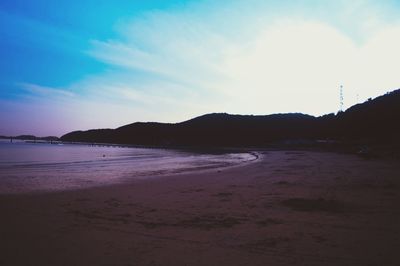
x: 376, y: 120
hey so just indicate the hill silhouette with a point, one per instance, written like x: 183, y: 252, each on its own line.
x: 374, y: 120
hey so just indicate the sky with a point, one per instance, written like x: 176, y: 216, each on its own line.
x: 77, y: 65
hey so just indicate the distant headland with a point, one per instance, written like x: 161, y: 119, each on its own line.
x: 31, y: 138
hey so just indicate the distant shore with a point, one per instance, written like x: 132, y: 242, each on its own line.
x: 286, y: 208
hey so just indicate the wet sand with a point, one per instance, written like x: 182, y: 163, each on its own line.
x: 286, y: 208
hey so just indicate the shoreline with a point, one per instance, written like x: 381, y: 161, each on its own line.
x: 99, y: 167
x: 285, y: 208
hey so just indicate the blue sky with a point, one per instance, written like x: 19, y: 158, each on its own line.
x: 70, y: 65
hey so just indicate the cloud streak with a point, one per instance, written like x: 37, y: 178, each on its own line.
x: 42, y: 91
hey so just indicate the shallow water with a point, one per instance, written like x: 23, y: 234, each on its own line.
x: 29, y: 167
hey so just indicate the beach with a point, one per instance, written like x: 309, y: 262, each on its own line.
x: 284, y: 208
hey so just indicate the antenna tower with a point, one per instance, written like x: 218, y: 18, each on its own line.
x: 341, y: 98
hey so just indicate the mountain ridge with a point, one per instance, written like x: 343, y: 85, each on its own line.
x: 372, y: 120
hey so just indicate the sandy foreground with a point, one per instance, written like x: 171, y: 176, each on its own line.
x: 286, y: 208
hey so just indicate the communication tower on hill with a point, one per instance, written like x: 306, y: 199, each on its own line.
x: 341, y: 98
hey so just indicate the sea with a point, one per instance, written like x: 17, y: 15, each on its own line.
x: 28, y: 167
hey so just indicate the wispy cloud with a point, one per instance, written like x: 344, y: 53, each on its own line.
x: 276, y: 60
x: 35, y: 90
